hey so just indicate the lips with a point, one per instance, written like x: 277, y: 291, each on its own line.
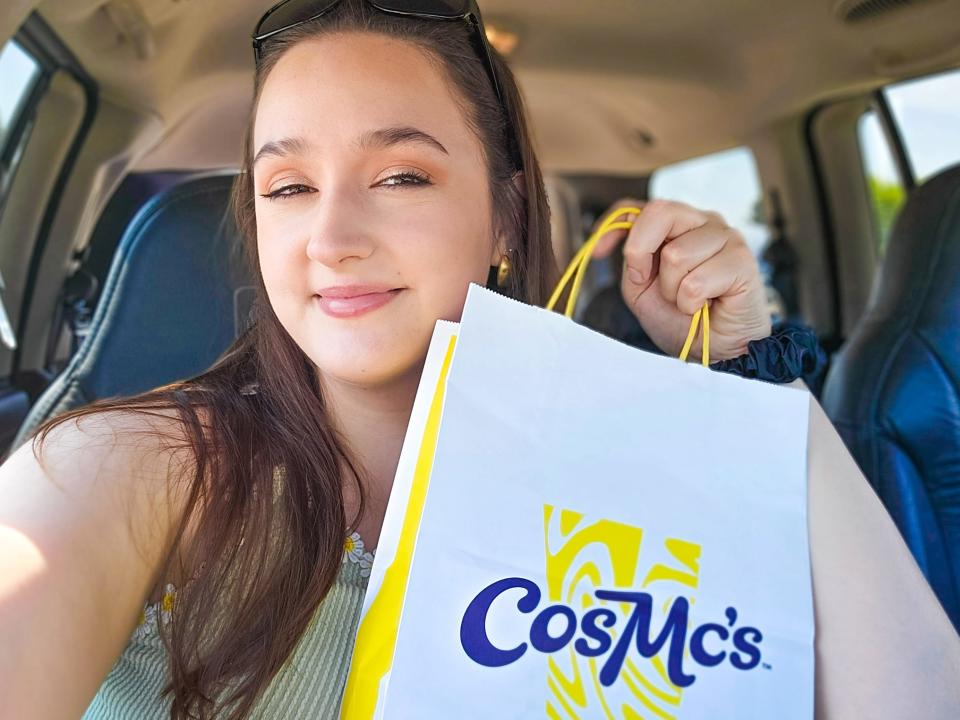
x: 347, y: 301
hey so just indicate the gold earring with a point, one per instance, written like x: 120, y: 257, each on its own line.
x: 504, y: 270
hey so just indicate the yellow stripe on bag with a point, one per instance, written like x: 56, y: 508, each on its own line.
x: 377, y: 634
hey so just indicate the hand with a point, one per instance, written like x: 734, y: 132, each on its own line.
x: 676, y: 258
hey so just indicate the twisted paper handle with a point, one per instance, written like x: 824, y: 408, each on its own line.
x: 577, y: 270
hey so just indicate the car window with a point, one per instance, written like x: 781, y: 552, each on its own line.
x: 726, y: 182
x: 927, y: 115
x: 885, y: 186
x: 19, y: 72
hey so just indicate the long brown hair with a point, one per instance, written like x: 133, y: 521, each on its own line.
x: 268, y: 462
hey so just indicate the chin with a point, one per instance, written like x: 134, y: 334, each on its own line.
x: 372, y: 363
x: 370, y: 376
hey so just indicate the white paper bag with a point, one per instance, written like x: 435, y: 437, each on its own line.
x: 579, y: 529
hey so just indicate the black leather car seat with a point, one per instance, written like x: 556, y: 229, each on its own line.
x: 176, y: 296
x: 894, y: 389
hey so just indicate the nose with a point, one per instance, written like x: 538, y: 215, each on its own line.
x: 337, y: 231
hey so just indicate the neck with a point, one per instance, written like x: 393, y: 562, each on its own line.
x: 373, y: 421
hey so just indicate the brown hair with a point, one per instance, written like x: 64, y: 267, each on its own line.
x: 268, y: 463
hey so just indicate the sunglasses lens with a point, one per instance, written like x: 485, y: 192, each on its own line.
x: 291, y: 13
x: 439, y: 8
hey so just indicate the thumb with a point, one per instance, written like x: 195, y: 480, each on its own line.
x: 634, y: 282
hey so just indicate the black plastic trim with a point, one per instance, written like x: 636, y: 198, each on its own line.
x: 36, y: 35
x: 832, y: 340
x: 895, y: 140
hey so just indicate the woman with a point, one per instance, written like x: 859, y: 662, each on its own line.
x: 386, y: 166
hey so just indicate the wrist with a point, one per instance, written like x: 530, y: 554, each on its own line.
x: 791, y: 351
x: 725, y: 350
x: 758, y: 334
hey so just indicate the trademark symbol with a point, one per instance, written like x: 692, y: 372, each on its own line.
x: 766, y: 666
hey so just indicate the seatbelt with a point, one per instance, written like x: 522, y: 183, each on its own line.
x: 81, y: 289
x: 782, y: 259
x: 74, y: 313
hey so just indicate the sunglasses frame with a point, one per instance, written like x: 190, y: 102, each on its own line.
x: 478, y: 35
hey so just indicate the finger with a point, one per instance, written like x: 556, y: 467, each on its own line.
x: 727, y: 273
x: 659, y: 222
x: 621, y: 203
x: 609, y: 240
x: 678, y: 257
x: 715, y: 217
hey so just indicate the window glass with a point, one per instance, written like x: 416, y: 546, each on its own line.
x: 726, y: 182
x: 18, y: 72
x: 883, y: 180
x: 927, y: 114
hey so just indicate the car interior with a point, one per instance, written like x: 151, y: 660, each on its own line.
x: 826, y: 131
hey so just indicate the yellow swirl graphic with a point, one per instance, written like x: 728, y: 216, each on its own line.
x: 585, y: 554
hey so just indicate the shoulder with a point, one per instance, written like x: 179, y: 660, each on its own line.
x: 105, y: 490
x: 110, y: 456
x: 86, y: 514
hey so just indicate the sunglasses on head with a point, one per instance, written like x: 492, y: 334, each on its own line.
x: 289, y: 14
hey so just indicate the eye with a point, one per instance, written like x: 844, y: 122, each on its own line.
x: 406, y: 178
x: 400, y: 180
x: 281, y: 192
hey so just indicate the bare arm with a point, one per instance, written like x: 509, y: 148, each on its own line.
x: 82, y: 535
x: 884, y: 646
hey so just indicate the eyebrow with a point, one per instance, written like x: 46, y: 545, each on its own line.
x: 370, y: 140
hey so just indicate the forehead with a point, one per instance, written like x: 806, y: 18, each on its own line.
x: 329, y: 86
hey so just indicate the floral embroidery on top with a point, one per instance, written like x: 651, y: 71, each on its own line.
x: 156, y: 611
x: 353, y: 552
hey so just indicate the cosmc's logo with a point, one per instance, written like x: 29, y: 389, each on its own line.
x: 596, y: 640
x: 598, y: 619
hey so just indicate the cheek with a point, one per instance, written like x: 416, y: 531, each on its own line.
x: 444, y: 261
x: 283, y: 272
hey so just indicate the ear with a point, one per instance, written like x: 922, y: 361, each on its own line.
x: 500, y: 246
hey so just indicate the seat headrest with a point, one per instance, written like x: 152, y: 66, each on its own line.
x: 893, y: 393
x: 168, y: 306
x: 176, y: 297
x: 921, y: 271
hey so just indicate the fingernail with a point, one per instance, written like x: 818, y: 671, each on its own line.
x: 635, y: 276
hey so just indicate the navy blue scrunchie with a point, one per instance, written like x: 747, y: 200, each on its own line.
x: 792, y: 351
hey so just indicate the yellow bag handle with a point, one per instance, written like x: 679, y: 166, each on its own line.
x: 577, y: 270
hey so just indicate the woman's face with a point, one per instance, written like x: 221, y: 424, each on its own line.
x: 383, y: 214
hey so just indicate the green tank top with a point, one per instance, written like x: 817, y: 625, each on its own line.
x: 309, y: 685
